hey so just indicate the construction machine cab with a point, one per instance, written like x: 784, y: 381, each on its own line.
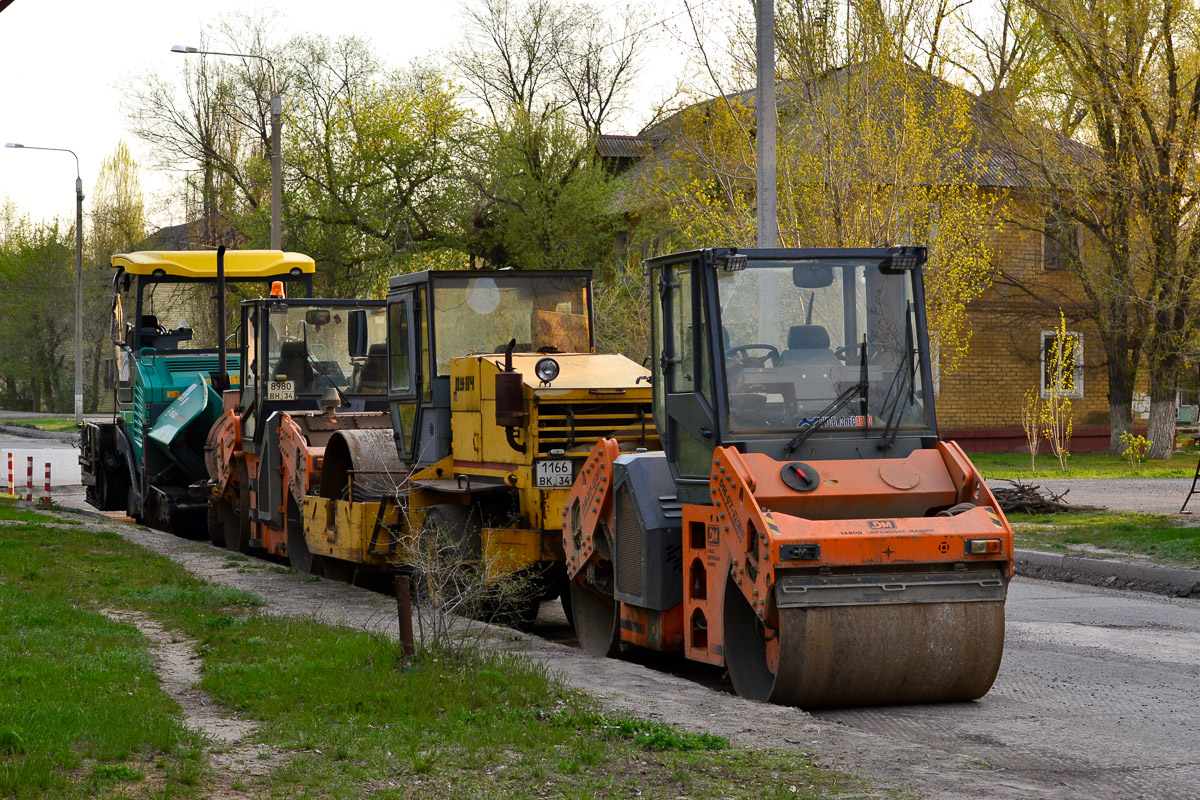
x: 812, y: 353
x: 297, y: 354
x: 436, y: 316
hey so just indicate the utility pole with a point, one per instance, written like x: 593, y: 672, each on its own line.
x: 766, y: 123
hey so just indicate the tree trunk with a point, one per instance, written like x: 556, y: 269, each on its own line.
x: 1122, y: 373
x: 1162, y: 409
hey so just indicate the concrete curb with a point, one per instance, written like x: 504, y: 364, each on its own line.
x: 1108, y: 573
x: 34, y: 433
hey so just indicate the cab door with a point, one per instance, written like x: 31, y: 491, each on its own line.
x: 685, y: 371
x: 404, y: 371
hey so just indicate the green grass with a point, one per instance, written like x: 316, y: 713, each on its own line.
x: 43, y: 423
x: 1160, y: 536
x: 81, y: 714
x: 998, y: 466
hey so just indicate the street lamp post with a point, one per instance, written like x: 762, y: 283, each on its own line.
x: 276, y: 123
x: 78, y: 276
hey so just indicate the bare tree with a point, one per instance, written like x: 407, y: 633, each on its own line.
x: 543, y: 57
x: 599, y: 63
x: 510, y: 55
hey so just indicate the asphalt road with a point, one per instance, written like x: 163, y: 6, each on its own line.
x: 1098, y: 696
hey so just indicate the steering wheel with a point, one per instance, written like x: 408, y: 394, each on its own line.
x: 844, y: 354
x: 324, y: 351
x: 754, y: 361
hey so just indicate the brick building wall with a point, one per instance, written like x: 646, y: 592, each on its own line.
x: 980, y: 402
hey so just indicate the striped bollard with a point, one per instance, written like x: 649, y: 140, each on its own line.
x: 46, y: 498
x: 12, y: 487
x: 29, y: 480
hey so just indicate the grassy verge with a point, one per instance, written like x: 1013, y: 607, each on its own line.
x: 998, y: 466
x: 66, y: 424
x: 1160, y: 536
x: 81, y: 715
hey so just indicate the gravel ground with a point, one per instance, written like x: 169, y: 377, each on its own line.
x: 1146, y: 495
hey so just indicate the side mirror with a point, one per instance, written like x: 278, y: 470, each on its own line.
x: 356, y: 332
x: 317, y: 316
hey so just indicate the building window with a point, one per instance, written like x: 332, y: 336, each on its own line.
x: 1060, y: 242
x: 1064, y: 373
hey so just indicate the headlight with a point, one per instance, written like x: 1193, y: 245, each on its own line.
x: 546, y: 369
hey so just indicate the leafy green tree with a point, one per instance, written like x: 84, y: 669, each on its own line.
x: 1129, y: 73
x: 873, y: 150
x: 540, y: 199
x: 37, y: 278
x: 371, y: 168
x: 118, y: 217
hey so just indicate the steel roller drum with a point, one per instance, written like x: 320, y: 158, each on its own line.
x: 369, y: 454
x: 851, y: 655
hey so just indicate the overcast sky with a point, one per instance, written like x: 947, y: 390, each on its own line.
x: 63, y: 63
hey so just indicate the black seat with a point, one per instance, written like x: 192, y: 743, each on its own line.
x: 808, y: 344
x: 293, y: 363
x: 149, y: 331
x: 372, y: 375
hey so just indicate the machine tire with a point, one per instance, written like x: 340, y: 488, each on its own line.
x: 216, y: 526
x: 300, y: 557
x: 568, y: 612
x: 446, y: 524
x: 235, y: 515
x: 745, y: 647
x: 595, y: 612
x: 335, y: 569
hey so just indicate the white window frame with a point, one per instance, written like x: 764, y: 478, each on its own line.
x: 1077, y: 372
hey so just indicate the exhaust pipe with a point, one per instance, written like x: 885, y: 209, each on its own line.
x: 221, y: 379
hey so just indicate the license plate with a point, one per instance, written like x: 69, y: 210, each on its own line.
x: 281, y: 390
x: 556, y: 474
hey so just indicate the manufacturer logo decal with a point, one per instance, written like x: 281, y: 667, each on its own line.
x: 836, y: 422
x: 714, y: 535
x: 881, y: 524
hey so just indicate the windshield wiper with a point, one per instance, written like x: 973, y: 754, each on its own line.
x: 892, y: 405
x: 319, y: 374
x: 824, y: 415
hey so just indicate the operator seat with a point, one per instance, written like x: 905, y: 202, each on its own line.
x: 149, y: 330
x: 808, y: 345
x: 372, y: 376
x: 293, y: 362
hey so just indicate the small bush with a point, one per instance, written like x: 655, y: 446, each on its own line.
x: 1134, y: 448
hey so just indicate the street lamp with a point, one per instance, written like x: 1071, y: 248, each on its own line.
x: 276, y: 115
x: 78, y: 276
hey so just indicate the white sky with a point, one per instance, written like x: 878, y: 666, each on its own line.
x: 63, y: 62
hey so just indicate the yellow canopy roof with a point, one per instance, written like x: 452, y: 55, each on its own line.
x: 202, y: 264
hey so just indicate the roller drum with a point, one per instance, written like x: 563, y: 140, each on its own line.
x: 859, y: 655
x: 370, y: 456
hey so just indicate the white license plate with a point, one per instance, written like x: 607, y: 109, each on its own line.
x: 281, y: 390
x: 557, y: 474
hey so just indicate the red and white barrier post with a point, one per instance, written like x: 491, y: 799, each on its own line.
x: 46, y: 498
x: 12, y: 488
x: 29, y: 479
